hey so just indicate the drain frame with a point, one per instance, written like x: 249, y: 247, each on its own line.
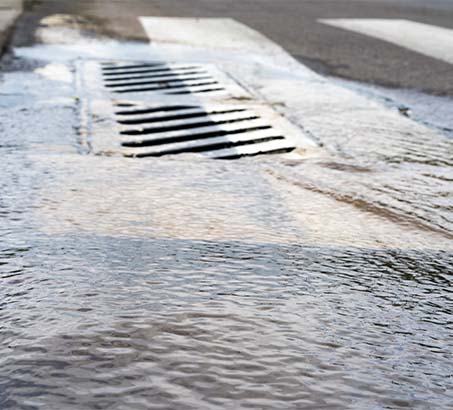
x: 224, y: 125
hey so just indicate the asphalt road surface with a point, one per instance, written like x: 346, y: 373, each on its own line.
x: 293, y: 24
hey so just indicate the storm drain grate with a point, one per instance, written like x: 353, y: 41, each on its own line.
x: 173, y: 79
x: 217, y: 131
x: 174, y: 108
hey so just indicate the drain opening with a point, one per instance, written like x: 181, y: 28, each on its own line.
x: 169, y: 130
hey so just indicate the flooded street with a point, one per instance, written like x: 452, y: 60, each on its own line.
x: 182, y: 282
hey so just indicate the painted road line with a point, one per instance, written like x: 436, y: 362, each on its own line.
x: 432, y: 41
x: 211, y: 33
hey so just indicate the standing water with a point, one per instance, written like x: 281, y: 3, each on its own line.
x: 186, y: 283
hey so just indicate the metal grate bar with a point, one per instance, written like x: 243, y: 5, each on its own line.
x: 178, y: 115
x: 218, y: 116
x: 190, y: 123
x: 267, y: 147
x: 155, y: 76
x: 162, y: 82
x: 161, y: 69
x: 199, y: 145
x: 166, y: 86
x: 196, y: 90
x: 201, y: 132
x: 113, y: 67
x: 136, y: 109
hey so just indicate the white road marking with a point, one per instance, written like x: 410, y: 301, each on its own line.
x: 212, y: 33
x: 423, y: 38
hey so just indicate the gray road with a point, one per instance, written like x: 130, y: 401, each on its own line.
x: 294, y: 25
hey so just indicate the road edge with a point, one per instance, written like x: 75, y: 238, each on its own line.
x: 9, y: 13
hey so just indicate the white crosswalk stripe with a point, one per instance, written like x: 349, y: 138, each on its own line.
x: 423, y: 38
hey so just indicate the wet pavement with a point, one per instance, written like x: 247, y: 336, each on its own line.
x: 291, y: 23
x: 182, y: 282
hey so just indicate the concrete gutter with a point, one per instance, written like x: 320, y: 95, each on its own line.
x: 10, y: 10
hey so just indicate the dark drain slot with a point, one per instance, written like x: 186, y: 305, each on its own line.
x: 192, y: 136
x: 138, y: 121
x: 207, y: 90
x: 139, y: 111
x: 168, y: 86
x: 123, y: 104
x: 254, y: 154
x: 133, y: 77
x: 112, y: 67
x: 163, y: 82
x: 151, y: 70
x: 214, y: 146
x: 154, y: 130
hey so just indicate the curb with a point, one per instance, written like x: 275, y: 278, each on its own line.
x: 10, y: 10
